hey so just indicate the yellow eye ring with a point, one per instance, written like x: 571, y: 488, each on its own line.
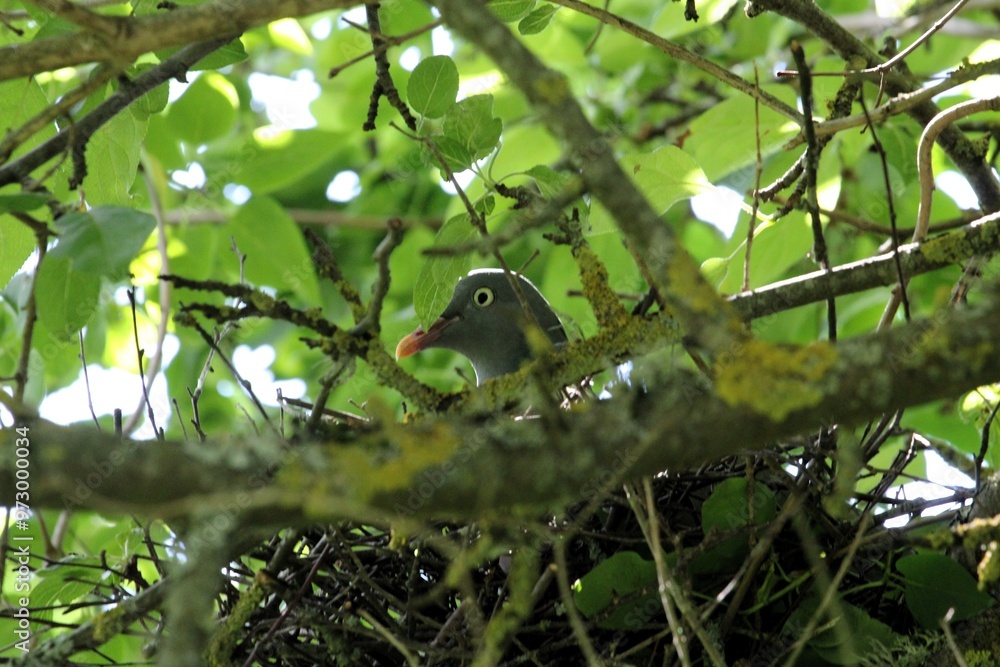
x: 483, y: 297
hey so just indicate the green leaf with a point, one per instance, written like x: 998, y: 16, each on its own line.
x: 934, y: 583
x: 621, y: 575
x: 206, y: 110
x: 942, y: 420
x: 439, y: 274
x: 103, y: 240
x: 549, y: 181
x: 433, y: 86
x: 22, y: 202
x: 538, y: 20
x: 454, y: 152
x: 16, y: 244
x: 665, y: 176
x: 63, y: 583
x: 113, y: 160
x: 288, y: 35
x: 509, y: 11
x: 278, y: 161
x: 231, y: 53
x: 728, y: 509
x: 723, y: 138
x: 471, y: 122
x: 276, y: 252
x: 777, y: 246
x: 152, y: 102
x: 846, y: 638
x: 485, y: 205
x: 66, y: 298
x: 54, y: 27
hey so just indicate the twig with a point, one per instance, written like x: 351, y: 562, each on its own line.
x: 384, y: 84
x: 901, y: 103
x: 327, y: 267
x: 30, y: 313
x: 984, y: 446
x: 46, y: 116
x: 926, y: 177
x: 23, y: 15
x: 372, y: 319
x: 956, y: 652
x: 213, y: 343
x: 281, y: 554
x: 878, y: 271
x: 385, y: 42
x: 811, y: 166
x: 890, y: 202
x: 650, y: 527
x: 86, y: 382
x: 77, y: 135
x: 829, y: 594
x: 575, y: 622
x: 156, y: 360
x: 759, y: 169
x: 303, y: 216
x: 140, y: 352
x: 680, y: 53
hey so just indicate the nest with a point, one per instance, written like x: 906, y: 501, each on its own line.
x: 361, y: 595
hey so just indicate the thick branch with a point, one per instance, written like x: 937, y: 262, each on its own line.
x: 465, y: 468
x: 143, y: 34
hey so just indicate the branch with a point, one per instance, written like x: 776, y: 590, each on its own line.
x: 78, y: 133
x: 468, y: 467
x: 95, y: 632
x: 981, y: 236
x: 847, y: 45
x: 143, y: 34
x: 680, y: 53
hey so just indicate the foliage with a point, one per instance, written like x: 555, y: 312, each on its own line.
x: 176, y: 202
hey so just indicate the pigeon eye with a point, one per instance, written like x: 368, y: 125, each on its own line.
x: 483, y: 297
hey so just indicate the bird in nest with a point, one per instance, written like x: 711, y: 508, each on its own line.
x: 485, y: 322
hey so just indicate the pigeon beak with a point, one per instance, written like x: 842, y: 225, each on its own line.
x: 420, y: 339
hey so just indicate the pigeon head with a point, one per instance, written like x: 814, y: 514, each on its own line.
x: 485, y: 323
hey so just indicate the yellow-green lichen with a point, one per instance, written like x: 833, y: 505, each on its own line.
x: 414, y: 450
x: 989, y: 566
x: 935, y: 343
x: 775, y: 381
x: 108, y: 624
x: 594, y: 276
x: 948, y: 249
x: 262, y: 301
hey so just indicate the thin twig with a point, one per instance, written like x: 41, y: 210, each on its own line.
x: 926, y: 177
x: 575, y: 621
x: 820, y: 255
x: 384, y: 85
x: 759, y: 170
x: 890, y: 202
x: 80, y: 131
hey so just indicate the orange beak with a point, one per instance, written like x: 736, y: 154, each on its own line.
x: 420, y: 339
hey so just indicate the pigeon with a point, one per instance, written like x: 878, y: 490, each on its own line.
x: 485, y: 323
